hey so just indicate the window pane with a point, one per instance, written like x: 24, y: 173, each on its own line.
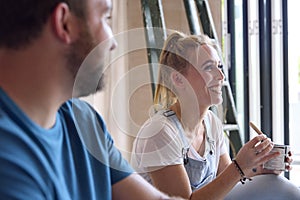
x: 294, y: 86
x: 239, y: 63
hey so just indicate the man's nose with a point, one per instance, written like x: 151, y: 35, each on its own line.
x: 114, y: 44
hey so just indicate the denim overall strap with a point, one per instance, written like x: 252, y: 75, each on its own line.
x: 203, y: 170
x: 209, y: 136
x: 170, y: 114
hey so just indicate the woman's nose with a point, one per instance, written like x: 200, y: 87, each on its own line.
x: 220, y: 74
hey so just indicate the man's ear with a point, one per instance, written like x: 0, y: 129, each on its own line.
x: 63, y: 22
x: 177, y: 79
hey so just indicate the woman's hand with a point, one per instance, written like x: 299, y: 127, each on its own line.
x: 288, y: 167
x: 289, y: 161
x: 254, y: 153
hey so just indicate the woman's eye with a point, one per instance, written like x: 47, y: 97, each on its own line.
x: 208, y: 68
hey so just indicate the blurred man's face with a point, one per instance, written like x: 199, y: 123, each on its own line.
x: 91, y: 49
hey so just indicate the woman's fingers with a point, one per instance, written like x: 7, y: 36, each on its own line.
x: 255, y: 152
x: 264, y: 147
x: 288, y: 167
x: 256, y: 140
x: 288, y: 159
x: 266, y: 155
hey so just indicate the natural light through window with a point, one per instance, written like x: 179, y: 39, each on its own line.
x: 294, y: 85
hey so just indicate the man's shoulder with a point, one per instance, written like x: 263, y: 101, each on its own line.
x: 75, y: 104
x: 79, y: 109
x: 81, y: 116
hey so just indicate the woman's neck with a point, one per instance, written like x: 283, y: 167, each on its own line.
x: 189, y: 117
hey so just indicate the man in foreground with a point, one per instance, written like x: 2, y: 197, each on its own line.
x: 52, y: 147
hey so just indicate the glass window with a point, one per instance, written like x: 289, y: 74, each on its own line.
x: 239, y: 63
x: 294, y: 85
x: 277, y: 72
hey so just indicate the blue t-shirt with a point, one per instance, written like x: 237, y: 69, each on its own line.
x: 75, y: 159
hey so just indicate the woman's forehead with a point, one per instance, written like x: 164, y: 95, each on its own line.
x: 202, y: 54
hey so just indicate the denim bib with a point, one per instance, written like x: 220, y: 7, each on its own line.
x: 201, y: 170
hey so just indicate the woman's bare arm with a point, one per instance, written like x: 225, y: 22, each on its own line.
x: 134, y: 187
x: 172, y: 180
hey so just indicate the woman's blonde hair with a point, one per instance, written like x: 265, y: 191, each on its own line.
x: 175, y: 55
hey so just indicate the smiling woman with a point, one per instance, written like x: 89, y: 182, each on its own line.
x: 183, y: 136
x: 189, y: 62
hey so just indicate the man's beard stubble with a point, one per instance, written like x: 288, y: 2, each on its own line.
x: 84, y: 83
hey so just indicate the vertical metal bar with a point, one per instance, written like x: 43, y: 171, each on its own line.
x: 231, y: 115
x: 206, y: 19
x: 265, y: 65
x: 155, y: 34
x: 192, y: 17
x: 246, y: 69
x: 231, y: 30
x: 286, y: 108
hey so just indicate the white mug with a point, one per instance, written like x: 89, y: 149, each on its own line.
x: 279, y: 162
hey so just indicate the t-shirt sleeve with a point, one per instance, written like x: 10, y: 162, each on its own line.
x: 119, y: 167
x: 157, y: 144
x: 99, y: 142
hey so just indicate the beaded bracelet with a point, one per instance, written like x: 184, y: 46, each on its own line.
x: 244, y: 178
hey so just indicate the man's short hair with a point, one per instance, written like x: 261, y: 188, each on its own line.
x: 23, y: 20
